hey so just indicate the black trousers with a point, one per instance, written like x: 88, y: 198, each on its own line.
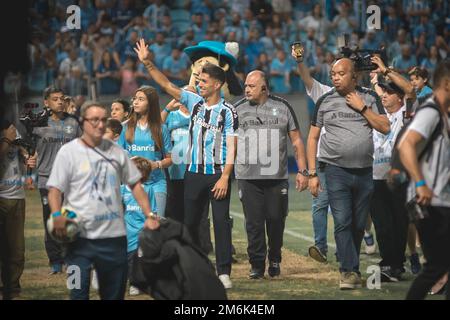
x: 265, y: 204
x: 175, y: 210
x: 54, y: 249
x: 434, y: 234
x: 390, y: 220
x: 197, y: 193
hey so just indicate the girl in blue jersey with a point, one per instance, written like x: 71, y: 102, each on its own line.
x: 145, y: 136
x: 134, y: 217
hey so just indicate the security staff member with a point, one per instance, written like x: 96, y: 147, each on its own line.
x: 265, y: 122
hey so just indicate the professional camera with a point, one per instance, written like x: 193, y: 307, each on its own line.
x: 360, y: 57
x: 31, y: 120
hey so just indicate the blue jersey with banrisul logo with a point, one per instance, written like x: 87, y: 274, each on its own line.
x: 144, y: 146
x: 178, y: 124
x: 208, y: 131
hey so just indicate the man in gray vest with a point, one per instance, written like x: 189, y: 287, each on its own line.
x: 348, y: 113
x: 265, y: 123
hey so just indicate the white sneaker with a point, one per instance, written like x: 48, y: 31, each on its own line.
x: 134, y: 291
x: 225, y: 279
x: 94, y: 281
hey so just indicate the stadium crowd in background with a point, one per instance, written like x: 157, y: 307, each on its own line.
x: 106, y: 52
x: 414, y: 33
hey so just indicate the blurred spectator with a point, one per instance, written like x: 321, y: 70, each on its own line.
x: 271, y: 43
x: 262, y: 11
x: 127, y: 47
x: 237, y: 27
x: 250, y: 22
x: 430, y: 62
x: 204, y: 7
x: 421, y: 48
x: 199, y: 26
x: 252, y: 50
x: 107, y: 75
x: 154, y: 14
x: 72, y: 73
x: 176, y: 67
x: 238, y: 6
x: 427, y: 28
x: 187, y: 39
x: 303, y: 8
x: 371, y: 41
x: 415, y: 9
x: 282, y: 7
x: 141, y: 26
x: 169, y: 31
x: 128, y: 76
x: 88, y: 14
x: 120, y: 110
x: 344, y: 22
x: 280, y: 70
x: 395, y: 49
x: 318, y: 22
x: 391, y: 24
x: 263, y: 63
x: 405, y: 61
x: 85, y: 52
x: 126, y: 11
x: 161, y: 49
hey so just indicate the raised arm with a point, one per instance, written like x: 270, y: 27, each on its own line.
x: 303, y: 70
x: 395, y: 77
x: 159, y: 77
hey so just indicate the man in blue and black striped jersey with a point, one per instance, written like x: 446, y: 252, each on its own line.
x: 348, y: 113
x: 211, y: 155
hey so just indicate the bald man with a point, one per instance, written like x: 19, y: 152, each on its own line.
x: 348, y: 113
x: 265, y: 123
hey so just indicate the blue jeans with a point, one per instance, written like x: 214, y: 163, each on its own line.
x: 108, y: 257
x: 161, y: 199
x: 349, y: 192
x: 320, y: 213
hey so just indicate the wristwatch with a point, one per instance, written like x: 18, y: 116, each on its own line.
x: 385, y: 73
x: 304, y: 172
x: 312, y: 175
x: 363, y: 109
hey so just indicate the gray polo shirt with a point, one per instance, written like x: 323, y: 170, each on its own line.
x: 262, y: 138
x: 348, y: 141
x: 49, y: 140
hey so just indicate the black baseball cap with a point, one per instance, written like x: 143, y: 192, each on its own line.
x: 391, y: 87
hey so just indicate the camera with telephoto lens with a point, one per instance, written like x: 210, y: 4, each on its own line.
x: 31, y: 120
x: 360, y: 57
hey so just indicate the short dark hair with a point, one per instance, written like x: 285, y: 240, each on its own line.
x: 114, y: 125
x: 124, y: 103
x: 441, y: 72
x: 50, y: 90
x: 419, y: 72
x: 214, y: 72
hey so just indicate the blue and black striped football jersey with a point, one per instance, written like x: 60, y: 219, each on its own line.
x: 208, y: 130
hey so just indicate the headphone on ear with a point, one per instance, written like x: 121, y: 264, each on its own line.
x: 263, y: 88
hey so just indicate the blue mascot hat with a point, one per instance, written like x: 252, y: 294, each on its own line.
x: 216, y: 47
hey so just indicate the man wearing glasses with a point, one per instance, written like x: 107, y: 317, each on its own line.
x: 89, y: 172
x: 61, y: 129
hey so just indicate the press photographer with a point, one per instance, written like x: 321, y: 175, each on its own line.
x: 12, y: 209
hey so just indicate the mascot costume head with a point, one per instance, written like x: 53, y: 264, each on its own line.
x: 221, y: 54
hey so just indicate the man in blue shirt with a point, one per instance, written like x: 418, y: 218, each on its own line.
x: 212, y: 146
x: 175, y: 67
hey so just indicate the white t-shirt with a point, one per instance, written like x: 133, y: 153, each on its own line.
x: 317, y: 90
x: 91, y: 185
x: 436, y: 168
x: 384, y: 143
